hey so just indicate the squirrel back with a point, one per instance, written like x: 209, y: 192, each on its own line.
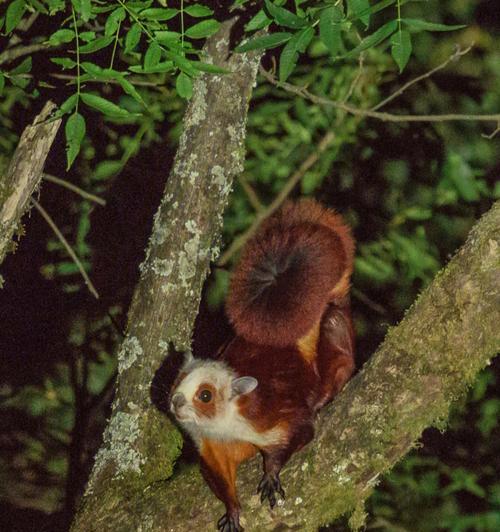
x: 299, y: 261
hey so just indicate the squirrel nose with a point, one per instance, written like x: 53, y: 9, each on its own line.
x: 178, y: 400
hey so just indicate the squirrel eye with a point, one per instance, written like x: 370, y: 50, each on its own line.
x: 205, y: 396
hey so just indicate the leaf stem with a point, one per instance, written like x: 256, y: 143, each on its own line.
x: 77, y: 58
x: 182, y: 23
x: 399, y: 15
x: 116, y: 42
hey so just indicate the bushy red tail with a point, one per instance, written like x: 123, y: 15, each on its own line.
x: 300, y: 259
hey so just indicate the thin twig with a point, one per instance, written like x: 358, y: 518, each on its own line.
x: 252, y: 196
x: 494, y: 133
x: 137, y: 82
x: 379, y: 309
x: 355, y: 81
x: 74, y: 188
x: 385, y: 117
x: 18, y: 51
x: 280, y: 198
x: 65, y: 243
x: 459, y: 52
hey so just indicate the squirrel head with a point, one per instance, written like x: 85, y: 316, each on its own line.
x: 205, y: 394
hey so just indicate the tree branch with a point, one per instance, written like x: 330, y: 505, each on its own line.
x: 367, y: 113
x: 77, y: 190
x: 424, y: 364
x: 140, y: 444
x: 18, y: 51
x: 459, y: 52
x: 24, y: 174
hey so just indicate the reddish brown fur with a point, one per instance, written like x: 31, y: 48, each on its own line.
x: 335, y: 359
x: 220, y: 461
x: 288, y: 384
x: 290, y: 270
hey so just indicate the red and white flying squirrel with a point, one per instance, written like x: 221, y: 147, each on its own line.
x: 292, y: 353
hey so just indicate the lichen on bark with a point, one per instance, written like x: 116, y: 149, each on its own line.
x: 141, y: 445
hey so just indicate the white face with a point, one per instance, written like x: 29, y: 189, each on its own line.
x: 189, y: 404
x: 205, y: 400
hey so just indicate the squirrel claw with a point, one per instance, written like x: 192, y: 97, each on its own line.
x: 268, y: 487
x: 228, y: 523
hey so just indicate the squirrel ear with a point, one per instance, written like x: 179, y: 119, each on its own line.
x: 188, y: 356
x: 243, y: 385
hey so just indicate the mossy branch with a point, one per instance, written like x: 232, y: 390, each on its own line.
x: 424, y: 364
x: 140, y: 444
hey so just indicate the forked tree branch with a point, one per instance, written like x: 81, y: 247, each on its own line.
x: 379, y: 115
x: 424, y: 364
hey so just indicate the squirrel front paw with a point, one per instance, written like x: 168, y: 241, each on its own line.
x: 268, y: 486
x: 229, y: 523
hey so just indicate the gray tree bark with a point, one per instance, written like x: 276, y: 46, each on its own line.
x: 425, y: 363
x: 24, y: 174
x: 140, y: 444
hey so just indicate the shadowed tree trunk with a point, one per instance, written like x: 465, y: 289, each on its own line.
x: 423, y: 365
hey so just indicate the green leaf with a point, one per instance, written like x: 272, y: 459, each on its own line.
x: 2, y: 82
x: 289, y: 55
x: 359, y: 9
x: 113, y: 21
x: 183, y: 63
x: 19, y: 81
x: 105, y: 106
x: 130, y: 89
x: 167, y: 37
x: 198, y: 11
x: 96, y: 45
x: 69, y: 104
x: 84, y: 8
x: 14, y: 14
x: 91, y: 68
x: 61, y: 36
x: 375, y: 38
x: 39, y: 7
x: 75, y: 132
x: 330, y: 28
x: 203, y: 29
x: 87, y: 36
x: 284, y: 17
x: 184, y: 86
x: 158, y: 13
x: 104, y: 169
x: 165, y: 66
x: 422, y: 25
x: 459, y: 172
x: 152, y: 56
x: 23, y: 68
x: 208, y: 67
x: 259, y: 21
x: 264, y: 43
x: 133, y: 37
x: 401, y: 48
x: 65, y: 62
